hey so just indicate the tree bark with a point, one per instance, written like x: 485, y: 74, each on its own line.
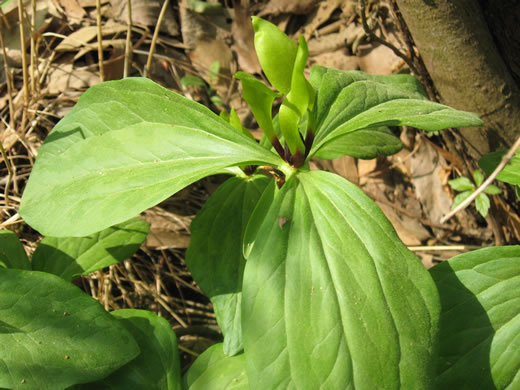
x: 467, y: 70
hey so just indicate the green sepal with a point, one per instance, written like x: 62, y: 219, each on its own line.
x: 276, y: 53
x: 298, y: 100
x: 260, y: 99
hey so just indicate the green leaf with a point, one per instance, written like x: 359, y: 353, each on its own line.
x: 276, y: 53
x: 331, y: 298
x: 70, y: 257
x: 460, y: 198
x: 214, y: 370
x: 108, y: 160
x: 158, y: 365
x: 295, y: 105
x: 53, y: 335
x: 482, y: 204
x: 234, y: 121
x: 329, y: 83
x: 12, y: 254
x: 478, y: 177
x: 214, y: 71
x: 193, y: 81
x: 492, y: 190
x: 480, y: 319
x: 490, y: 161
x: 375, y: 110
x: 260, y: 99
x: 511, y: 172
x: 215, y: 257
x: 364, y: 144
x: 461, y: 184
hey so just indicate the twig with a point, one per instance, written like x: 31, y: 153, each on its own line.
x: 100, y: 41
x: 21, y: 18
x: 155, y: 36
x: 463, y: 248
x: 505, y: 160
x: 10, y: 174
x: 373, y: 36
x: 33, y: 47
x: 128, y: 47
x: 8, y: 78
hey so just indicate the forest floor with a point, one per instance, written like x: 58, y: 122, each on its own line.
x: 199, y: 48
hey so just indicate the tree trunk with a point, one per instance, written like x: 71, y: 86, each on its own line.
x: 466, y: 67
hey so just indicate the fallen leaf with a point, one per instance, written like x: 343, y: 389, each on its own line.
x: 243, y: 39
x: 277, y: 7
x: 66, y: 78
x: 73, y: 10
x: 145, y: 13
x: 84, y: 35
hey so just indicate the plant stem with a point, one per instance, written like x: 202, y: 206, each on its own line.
x: 155, y: 36
x: 21, y: 18
x: 100, y: 41
x: 128, y: 45
x: 505, y: 160
x: 278, y: 147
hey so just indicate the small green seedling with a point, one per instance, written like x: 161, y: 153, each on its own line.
x: 196, y: 81
x: 466, y: 188
x: 311, y: 286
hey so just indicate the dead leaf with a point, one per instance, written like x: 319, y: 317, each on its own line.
x: 207, y: 51
x: 65, y: 78
x: 334, y: 41
x: 378, y: 60
x: 73, y: 10
x: 243, y: 37
x: 409, y: 230
x: 196, y: 26
x: 162, y: 239
x: 84, y: 35
x: 427, y: 167
x: 337, y: 59
x: 277, y: 7
x: 321, y: 15
x: 145, y: 13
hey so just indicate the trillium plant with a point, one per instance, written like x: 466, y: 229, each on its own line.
x: 311, y: 286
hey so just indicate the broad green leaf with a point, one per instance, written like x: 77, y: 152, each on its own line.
x: 53, y: 335
x: 492, y: 190
x: 461, y: 184
x: 214, y: 370
x: 482, y: 204
x: 260, y: 99
x: 276, y: 53
x: 105, y: 180
x: 70, y: 257
x: 480, y: 319
x: 116, y: 105
x: 12, y: 254
x: 158, y: 365
x: 366, y: 104
x: 331, y: 298
x: 295, y: 105
x: 364, y: 144
x: 460, y: 198
x: 215, y: 257
x: 478, y: 177
x: 511, y: 172
x: 329, y: 83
